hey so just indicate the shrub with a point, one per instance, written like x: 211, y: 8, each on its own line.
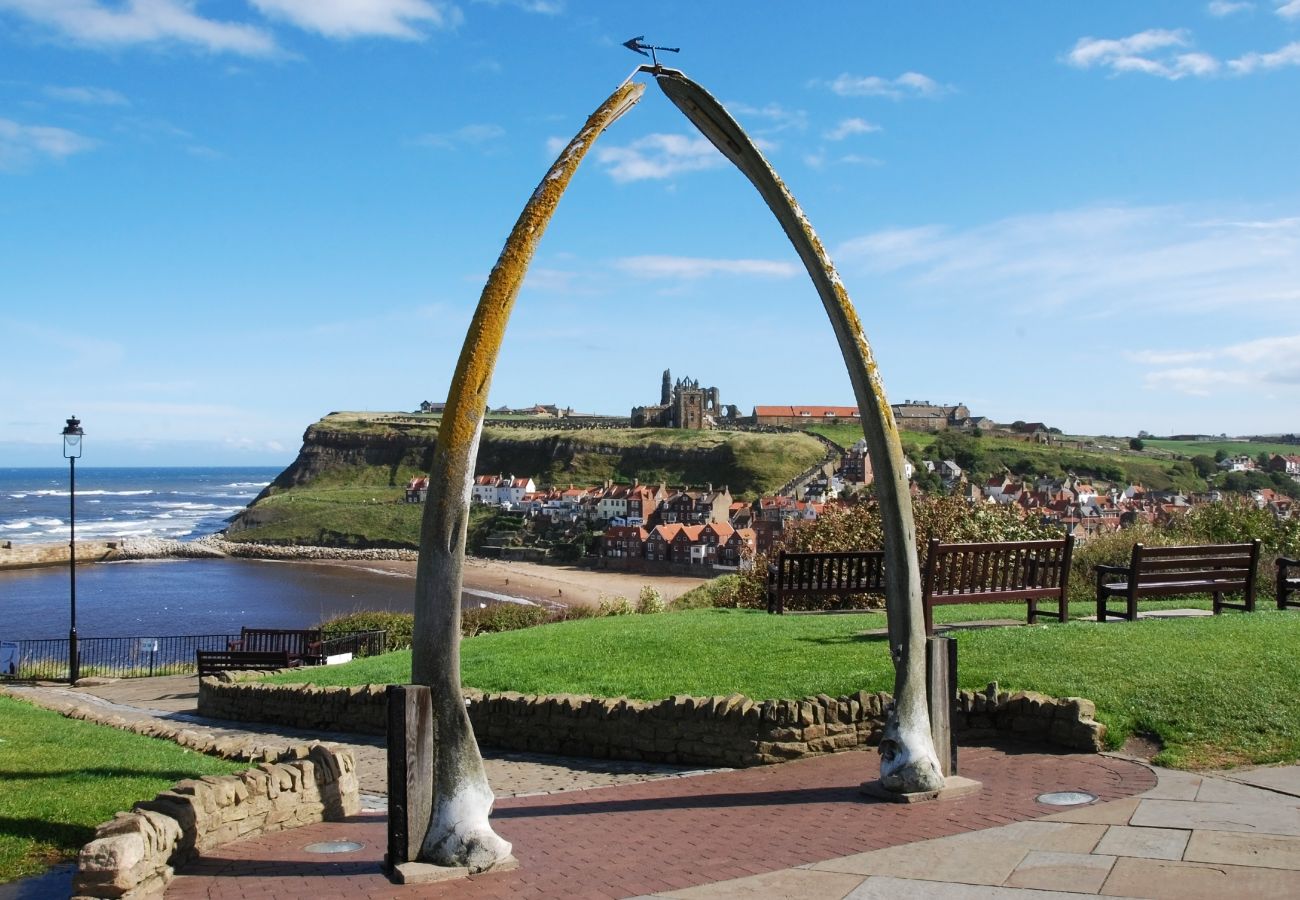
x: 649, y: 601
x: 615, y: 606
x: 501, y: 617
x: 719, y: 593
x: 400, y: 626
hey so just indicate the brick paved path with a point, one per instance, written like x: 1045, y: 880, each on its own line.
x: 638, y: 839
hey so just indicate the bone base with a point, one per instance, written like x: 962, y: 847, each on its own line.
x: 954, y: 787
x: 427, y: 873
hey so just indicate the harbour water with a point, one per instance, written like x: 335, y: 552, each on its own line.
x: 164, y: 597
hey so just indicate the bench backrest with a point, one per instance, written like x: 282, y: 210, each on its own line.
x: 842, y: 572
x: 1007, y: 570
x: 296, y: 641
x: 1229, y: 566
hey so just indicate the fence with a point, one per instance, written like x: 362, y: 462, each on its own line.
x: 138, y: 657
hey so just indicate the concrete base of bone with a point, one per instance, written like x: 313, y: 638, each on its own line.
x: 427, y: 873
x: 954, y: 788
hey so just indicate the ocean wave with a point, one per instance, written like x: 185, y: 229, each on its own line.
x: 247, y: 484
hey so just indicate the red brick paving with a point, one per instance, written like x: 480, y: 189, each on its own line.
x: 664, y: 835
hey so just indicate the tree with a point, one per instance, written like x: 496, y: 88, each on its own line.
x: 1136, y: 444
x: 1204, y: 465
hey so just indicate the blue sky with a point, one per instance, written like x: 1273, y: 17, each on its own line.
x: 222, y: 219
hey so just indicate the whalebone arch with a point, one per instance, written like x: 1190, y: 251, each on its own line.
x: 458, y: 832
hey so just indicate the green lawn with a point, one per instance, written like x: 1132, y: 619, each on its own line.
x: 1217, y: 691
x: 62, y: 777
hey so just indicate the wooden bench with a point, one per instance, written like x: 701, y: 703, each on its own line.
x: 302, y: 644
x: 1288, y: 582
x: 1216, y: 569
x: 210, y: 662
x: 812, y: 574
x: 996, y: 573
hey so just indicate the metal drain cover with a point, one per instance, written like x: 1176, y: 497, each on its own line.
x: 333, y: 847
x: 1066, y: 798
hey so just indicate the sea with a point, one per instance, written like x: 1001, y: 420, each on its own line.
x: 172, y: 596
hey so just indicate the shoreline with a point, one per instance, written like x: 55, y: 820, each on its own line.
x: 490, y: 578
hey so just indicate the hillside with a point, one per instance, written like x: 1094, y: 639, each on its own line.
x: 347, y: 485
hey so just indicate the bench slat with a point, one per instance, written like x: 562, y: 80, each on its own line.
x: 1194, y: 550
x: 1200, y: 563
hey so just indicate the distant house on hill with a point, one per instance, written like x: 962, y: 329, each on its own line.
x: 910, y: 416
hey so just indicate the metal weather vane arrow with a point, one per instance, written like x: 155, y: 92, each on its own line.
x: 636, y: 46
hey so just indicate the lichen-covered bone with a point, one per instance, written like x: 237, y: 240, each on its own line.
x: 908, y: 761
x: 459, y: 833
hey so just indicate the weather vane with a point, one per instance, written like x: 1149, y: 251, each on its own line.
x: 636, y: 46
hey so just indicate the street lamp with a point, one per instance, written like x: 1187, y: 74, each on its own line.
x: 72, y: 435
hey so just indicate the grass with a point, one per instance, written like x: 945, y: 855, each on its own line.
x: 1217, y: 691
x: 62, y: 777
x: 1232, y: 448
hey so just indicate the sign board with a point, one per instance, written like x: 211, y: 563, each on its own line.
x: 8, y: 657
x: 148, y: 645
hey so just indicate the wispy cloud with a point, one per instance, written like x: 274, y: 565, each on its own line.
x: 142, y: 22
x: 343, y: 19
x: 21, y: 145
x: 542, y: 7
x: 86, y: 96
x: 1250, y: 62
x: 1221, y: 8
x: 1156, y: 52
x: 849, y: 127
x: 1167, y: 54
x: 1289, y: 9
x: 770, y: 117
x: 658, y: 156
x: 465, y: 136
x: 692, y: 268
x: 1248, y: 364
x: 1099, y: 262
x: 907, y: 85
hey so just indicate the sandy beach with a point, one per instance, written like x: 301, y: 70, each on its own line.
x: 569, y: 585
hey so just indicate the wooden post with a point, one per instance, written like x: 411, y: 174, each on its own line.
x: 410, y: 771
x: 941, y: 692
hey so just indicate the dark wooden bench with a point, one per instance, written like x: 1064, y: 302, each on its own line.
x: 302, y: 644
x: 210, y: 662
x: 1216, y: 569
x: 841, y: 573
x: 998, y: 572
x: 1288, y: 582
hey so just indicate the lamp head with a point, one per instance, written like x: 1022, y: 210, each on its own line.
x: 72, y: 435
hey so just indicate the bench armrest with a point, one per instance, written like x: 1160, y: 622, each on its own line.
x: 1287, y: 561
x: 235, y: 645
x: 1118, y: 570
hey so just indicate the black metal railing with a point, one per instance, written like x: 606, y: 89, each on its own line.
x: 140, y: 657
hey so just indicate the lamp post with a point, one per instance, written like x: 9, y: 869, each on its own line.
x: 72, y: 435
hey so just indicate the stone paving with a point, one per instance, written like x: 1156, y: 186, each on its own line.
x: 799, y: 830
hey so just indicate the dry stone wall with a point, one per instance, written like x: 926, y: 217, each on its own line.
x: 713, y: 731
x: 136, y: 853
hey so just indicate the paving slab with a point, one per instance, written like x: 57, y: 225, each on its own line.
x: 884, y: 887
x: 1267, y: 851
x: 1284, y: 779
x: 1253, y: 818
x: 966, y: 861
x: 1116, y: 812
x: 1039, y: 835
x: 1174, y: 785
x: 1168, y: 880
x: 1147, y: 843
x: 787, y: 884
x: 1224, y: 790
x: 1083, y: 873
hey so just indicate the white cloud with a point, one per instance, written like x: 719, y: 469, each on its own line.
x: 1221, y: 8
x: 909, y: 84
x: 21, y: 144
x: 1251, y: 62
x: 1099, y: 262
x: 1248, y: 364
x: 363, y: 18
x: 466, y: 135
x: 690, y: 268
x: 142, y: 22
x: 658, y: 156
x: 1289, y: 9
x: 542, y: 7
x: 1151, y: 52
x: 86, y: 96
x: 848, y: 127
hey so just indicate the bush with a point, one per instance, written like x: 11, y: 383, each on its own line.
x: 649, y: 601
x: 400, y: 626
x: 501, y: 617
x: 615, y: 606
x: 719, y: 593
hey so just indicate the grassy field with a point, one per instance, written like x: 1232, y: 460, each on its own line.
x: 1217, y: 691
x: 1232, y: 448
x: 62, y: 777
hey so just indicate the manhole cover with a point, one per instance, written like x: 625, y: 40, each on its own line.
x: 1066, y: 798
x: 333, y: 847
